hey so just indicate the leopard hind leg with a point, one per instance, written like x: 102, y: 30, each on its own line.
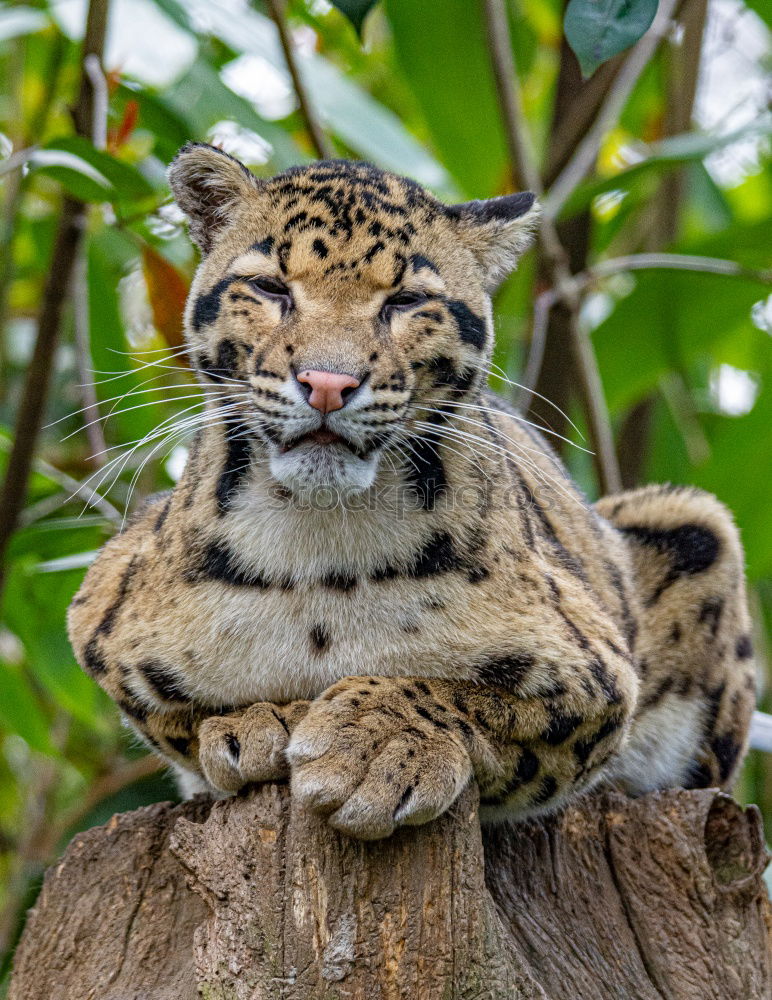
x: 693, y: 646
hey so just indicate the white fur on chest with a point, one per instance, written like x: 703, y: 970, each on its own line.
x: 261, y: 645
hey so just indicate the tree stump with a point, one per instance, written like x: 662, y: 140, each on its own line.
x: 251, y: 897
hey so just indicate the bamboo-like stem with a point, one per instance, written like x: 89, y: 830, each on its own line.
x: 322, y: 147
x: 66, y: 243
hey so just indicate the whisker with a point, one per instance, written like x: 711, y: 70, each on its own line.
x: 530, y: 423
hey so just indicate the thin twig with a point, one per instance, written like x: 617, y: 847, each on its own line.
x: 505, y: 76
x: 66, y: 242
x: 604, y: 269
x: 82, y: 332
x: 670, y: 262
x: 563, y: 288
x: 542, y: 308
x: 322, y: 147
x: 73, y: 487
x: 16, y: 160
x: 583, y: 160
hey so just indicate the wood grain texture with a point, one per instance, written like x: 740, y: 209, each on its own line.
x: 659, y: 898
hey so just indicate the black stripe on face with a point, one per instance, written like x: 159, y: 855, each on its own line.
x: 207, y: 306
x: 471, y: 327
x: 418, y: 262
x: 426, y: 473
x: 224, y: 365
x: 263, y: 246
x: 238, y: 454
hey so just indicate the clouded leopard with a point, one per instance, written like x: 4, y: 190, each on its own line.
x: 374, y: 577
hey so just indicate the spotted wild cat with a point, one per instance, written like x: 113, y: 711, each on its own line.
x: 373, y: 576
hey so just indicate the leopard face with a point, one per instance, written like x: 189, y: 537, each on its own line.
x: 338, y: 308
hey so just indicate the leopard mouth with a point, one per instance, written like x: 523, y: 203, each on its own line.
x: 322, y: 436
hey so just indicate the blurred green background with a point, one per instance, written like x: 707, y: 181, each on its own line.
x: 684, y: 354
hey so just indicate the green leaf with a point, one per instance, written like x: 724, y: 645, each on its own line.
x: 355, y: 10
x: 89, y: 173
x: 20, y: 710
x: 201, y: 99
x: 598, y: 29
x: 35, y: 608
x: 371, y: 129
x: 690, y: 147
x: 669, y: 319
x: 349, y: 111
x: 442, y: 51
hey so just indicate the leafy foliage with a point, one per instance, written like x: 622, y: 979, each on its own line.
x: 599, y: 29
x: 418, y: 94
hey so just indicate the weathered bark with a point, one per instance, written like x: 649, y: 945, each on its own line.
x: 660, y: 897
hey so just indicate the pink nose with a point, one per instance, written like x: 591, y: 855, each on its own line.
x: 327, y: 389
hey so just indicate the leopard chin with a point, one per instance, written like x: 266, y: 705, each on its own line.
x: 334, y: 467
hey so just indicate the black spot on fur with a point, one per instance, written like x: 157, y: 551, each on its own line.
x: 164, y: 513
x: 92, y: 657
x: 180, y: 744
x: 404, y: 799
x: 710, y: 614
x: 471, y: 327
x: 727, y: 750
x: 425, y: 472
x: 132, y: 708
x: 507, y: 672
x: 447, y: 375
x: 545, y: 791
x: 207, y: 305
x: 162, y: 681
x: 236, y: 468
x: 527, y: 766
x: 263, y: 246
x: 690, y: 549
x: 560, y: 728
x: 320, y: 637
x: 437, y: 556
x: 743, y: 648
x: 584, y: 747
x: 700, y: 776
x: 319, y: 247
x: 418, y: 262
x: 339, y: 581
x: 234, y: 745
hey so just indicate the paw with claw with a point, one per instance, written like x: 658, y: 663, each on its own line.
x: 247, y: 747
x: 374, y: 754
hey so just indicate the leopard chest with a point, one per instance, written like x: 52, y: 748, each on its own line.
x: 245, y: 644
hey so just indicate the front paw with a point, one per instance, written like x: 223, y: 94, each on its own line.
x: 243, y: 748
x: 375, y: 754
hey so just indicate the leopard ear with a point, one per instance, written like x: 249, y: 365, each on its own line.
x: 208, y: 185
x: 498, y: 230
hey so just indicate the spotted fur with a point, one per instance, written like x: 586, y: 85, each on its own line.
x: 422, y: 597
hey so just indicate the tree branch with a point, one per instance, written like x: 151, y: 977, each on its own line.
x: 583, y: 160
x: 322, y: 147
x: 67, y: 240
x: 590, y: 385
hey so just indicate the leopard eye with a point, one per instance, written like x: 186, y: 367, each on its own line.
x: 273, y: 288
x: 402, y: 301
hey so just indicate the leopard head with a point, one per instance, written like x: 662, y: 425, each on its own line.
x: 337, y: 305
